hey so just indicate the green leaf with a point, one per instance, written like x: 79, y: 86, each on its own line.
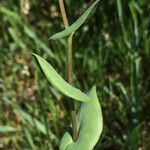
x: 6, y: 129
x: 90, y: 125
x: 59, y: 83
x: 38, y: 124
x: 76, y: 24
x: 11, y: 14
x: 31, y: 33
x: 17, y: 39
x: 29, y: 138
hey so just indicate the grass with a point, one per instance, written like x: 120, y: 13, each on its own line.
x: 113, y: 52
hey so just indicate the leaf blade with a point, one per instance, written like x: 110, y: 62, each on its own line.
x: 59, y: 83
x: 89, y: 131
x: 76, y: 24
x: 6, y: 129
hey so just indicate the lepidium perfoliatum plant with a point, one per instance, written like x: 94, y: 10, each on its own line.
x: 86, y: 123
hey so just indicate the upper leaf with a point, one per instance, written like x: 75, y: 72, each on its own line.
x: 59, y: 83
x: 76, y: 24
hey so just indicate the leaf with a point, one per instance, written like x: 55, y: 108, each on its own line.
x: 59, y: 83
x: 31, y: 33
x: 11, y: 14
x: 90, y: 122
x: 38, y: 124
x: 27, y: 29
x: 76, y: 24
x: 6, y: 129
x: 29, y: 138
x: 17, y: 38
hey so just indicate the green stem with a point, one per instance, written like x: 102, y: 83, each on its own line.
x: 70, y: 72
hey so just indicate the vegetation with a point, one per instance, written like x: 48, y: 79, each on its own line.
x: 111, y: 50
x: 88, y: 132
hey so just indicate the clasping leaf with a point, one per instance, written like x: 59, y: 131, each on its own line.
x: 76, y: 24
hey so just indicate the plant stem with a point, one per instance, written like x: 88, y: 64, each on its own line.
x: 63, y: 12
x: 70, y: 80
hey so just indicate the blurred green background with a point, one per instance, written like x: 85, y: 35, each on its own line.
x: 111, y: 50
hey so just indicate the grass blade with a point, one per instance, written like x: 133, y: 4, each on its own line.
x: 6, y: 129
x: 10, y: 13
x: 29, y: 138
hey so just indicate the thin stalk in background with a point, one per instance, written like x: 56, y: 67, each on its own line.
x: 70, y: 72
x: 120, y: 15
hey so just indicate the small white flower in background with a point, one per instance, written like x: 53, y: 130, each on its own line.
x: 25, y: 6
x: 85, y: 28
x: 25, y: 71
x: 53, y: 11
x: 107, y: 39
x: 125, y: 137
x: 106, y: 36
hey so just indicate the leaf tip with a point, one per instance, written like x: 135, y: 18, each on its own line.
x: 33, y: 54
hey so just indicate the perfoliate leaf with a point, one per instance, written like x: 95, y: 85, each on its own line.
x: 90, y: 125
x: 76, y: 24
x: 59, y: 83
